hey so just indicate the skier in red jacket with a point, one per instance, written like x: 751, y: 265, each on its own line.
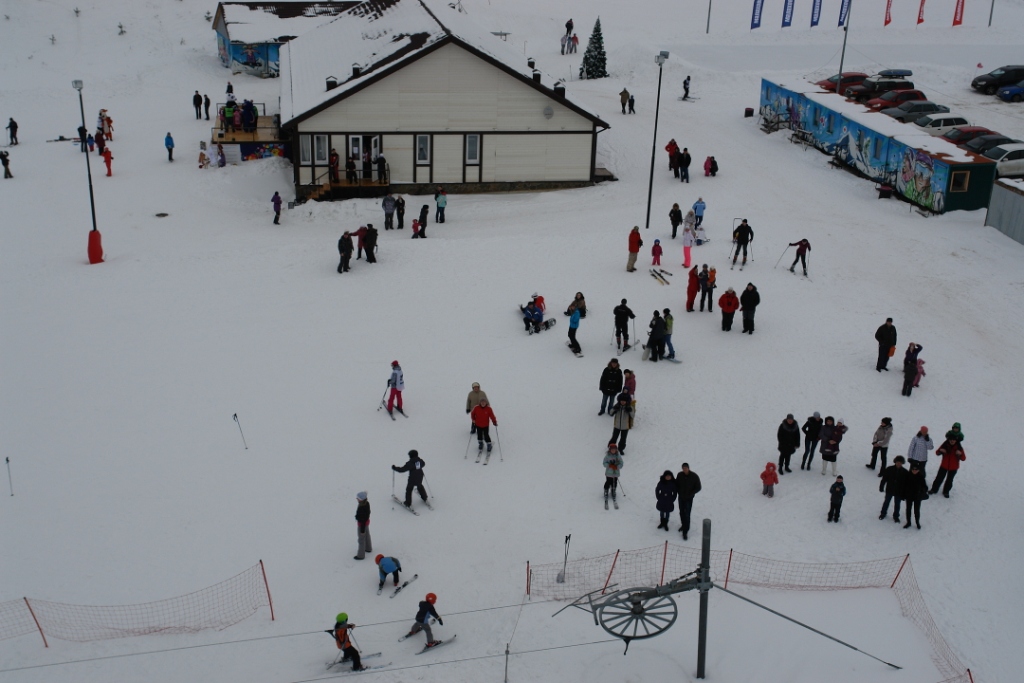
x: 483, y: 417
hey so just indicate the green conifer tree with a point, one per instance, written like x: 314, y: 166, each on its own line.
x: 595, y: 62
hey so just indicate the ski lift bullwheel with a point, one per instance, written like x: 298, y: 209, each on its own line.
x: 627, y: 615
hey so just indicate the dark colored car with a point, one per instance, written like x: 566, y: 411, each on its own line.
x: 882, y: 82
x: 1012, y: 93
x: 991, y: 82
x: 963, y: 134
x: 850, y: 78
x: 913, y: 110
x: 983, y: 143
x: 894, y: 98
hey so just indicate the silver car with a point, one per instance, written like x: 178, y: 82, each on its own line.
x: 913, y: 110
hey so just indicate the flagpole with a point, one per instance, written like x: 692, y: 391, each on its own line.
x: 842, y: 57
x: 990, y: 12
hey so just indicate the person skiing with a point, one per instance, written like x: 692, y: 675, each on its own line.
x: 915, y: 488
x: 688, y: 485
x: 910, y: 367
x: 610, y: 384
x: 344, y: 642
x: 387, y: 566
x: 624, y: 99
x: 472, y: 401
x: 673, y: 150
x: 370, y: 244
x: 692, y: 285
x: 423, y: 615
x: 880, y: 444
x: 108, y: 156
x: 788, y: 436
x: 769, y: 478
x: 441, y: 198
x: 532, y: 317
x: 276, y: 201
x: 622, y: 420
x: 5, y: 160
x: 952, y: 454
x: 612, y: 464
x: 197, y: 104
x: 675, y: 217
x: 345, y: 248
x: 206, y: 106
x: 728, y: 304
x: 656, y: 252
x: 574, y: 323
x: 749, y: 302
x: 836, y: 493
x: 802, y: 247
x: 812, y: 432
x: 686, y: 88
x: 623, y: 314
x: 388, y: 204
x: 365, y: 544
x: 169, y: 144
x: 665, y: 492
x: 830, y: 443
x: 656, y: 337
x: 400, y: 211
x: 684, y: 165
x: 885, y: 335
x: 894, y: 480
x: 698, y: 210
x: 706, y: 287
x: 688, y: 239
x: 741, y: 237
x: 483, y: 417
x: 666, y: 315
x: 635, y: 242
x: 12, y: 128
x: 397, y: 384
x: 578, y: 303
x: 414, y: 466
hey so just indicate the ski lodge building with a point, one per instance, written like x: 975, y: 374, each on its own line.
x: 443, y: 101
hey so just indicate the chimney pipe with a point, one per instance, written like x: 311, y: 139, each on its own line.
x: 530, y: 62
x: 536, y: 76
x: 356, y: 71
x: 332, y: 82
x: 560, y: 89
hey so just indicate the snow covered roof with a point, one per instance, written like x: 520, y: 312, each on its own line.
x: 379, y: 36
x: 275, y: 22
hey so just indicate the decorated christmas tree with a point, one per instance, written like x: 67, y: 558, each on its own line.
x: 595, y: 62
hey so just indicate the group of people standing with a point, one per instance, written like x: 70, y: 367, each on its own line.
x: 569, y: 40
x: 679, y: 161
x: 913, y: 365
x: 104, y: 132
x: 366, y: 241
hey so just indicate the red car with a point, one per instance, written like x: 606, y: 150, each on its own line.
x: 850, y: 78
x: 962, y: 134
x: 893, y: 98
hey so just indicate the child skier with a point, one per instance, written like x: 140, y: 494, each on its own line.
x: 612, y: 464
x: 483, y: 416
x: 836, y: 491
x: 344, y: 641
x: 769, y: 478
x: 423, y: 615
x: 414, y: 466
x: 656, y: 252
x: 385, y: 566
x: 397, y: 384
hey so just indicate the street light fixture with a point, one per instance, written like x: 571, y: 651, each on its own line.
x: 660, y: 60
x: 95, y: 250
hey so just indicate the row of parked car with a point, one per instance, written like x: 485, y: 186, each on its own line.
x: 892, y: 93
x: 1006, y: 82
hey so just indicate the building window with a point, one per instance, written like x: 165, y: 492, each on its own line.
x: 831, y: 125
x: 960, y: 181
x: 304, y: 150
x: 878, y: 148
x: 472, y: 150
x: 422, y: 150
x: 320, y: 148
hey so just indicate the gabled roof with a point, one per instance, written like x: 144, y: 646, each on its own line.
x: 382, y: 36
x: 275, y: 22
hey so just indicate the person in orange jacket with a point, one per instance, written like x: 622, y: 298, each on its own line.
x: 108, y: 156
x: 728, y: 303
x: 692, y: 287
x: 483, y: 417
x: 635, y: 242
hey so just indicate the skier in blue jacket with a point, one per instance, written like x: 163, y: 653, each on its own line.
x: 532, y: 317
x: 423, y: 616
x: 388, y: 565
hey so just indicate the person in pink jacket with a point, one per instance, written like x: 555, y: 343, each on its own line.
x: 920, y: 373
x: 656, y: 252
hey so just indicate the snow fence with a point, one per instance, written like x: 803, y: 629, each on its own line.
x: 650, y: 566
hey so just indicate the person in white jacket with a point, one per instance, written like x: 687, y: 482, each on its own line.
x: 688, y: 239
x: 397, y: 384
x: 917, y: 453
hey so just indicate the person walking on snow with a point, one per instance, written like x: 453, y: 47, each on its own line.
x: 344, y: 642
x: 483, y: 417
x: 688, y: 239
x: 802, y: 247
x: 612, y: 464
x: 836, y: 493
x: 363, y: 526
x: 169, y: 144
x: 749, y: 301
x: 830, y: 443
x: 686, y: 88
x: 707, y: 287
x: 623, y: 315
x: 345, y: 248
x: 12, y: 128
x: 565, y: 39
x: 387, y: 566
x: 400, y: 212
x: 574, y: 323
x: 741, y: 237
x: 574, y: 43
x: 634, y: 244
x: 472, y: 401
x: 424, y: 211
x: 397, y: 384
x: 788, y: 436
x: 441, y: 197
x: 666, y: 315
x: 622, y: 419
x: 675, y: 217
x: 688, y: 486
x: 656, y: 337
x: 276, y: 201
x: 698, y: 210
x: 952, y: 454
x: 684, y: 165
x: 920, y: 373
x: 894, y: 480
x: 656, y: 252
x: 665, y: 492
x: 673, y: 150
x: 728, y: 304
x: 880, y: 444
x: 5, y: 160
x: 769, y: 478
x: 423, y: 615
x: 624, y: 99
x: 568, y: 27
x: 206, y: 106
x: 885, y: 335
x: 812, y: 432
x: 610, y: 384
x: 414, y: 466
x: 915, y: 489
x: 197, y: 103
x: 632, y: 104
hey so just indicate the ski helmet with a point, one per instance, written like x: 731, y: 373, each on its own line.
x: 394, y: 363
x: 341, y: 618
x: 431, y: 598
x: 378, y: 559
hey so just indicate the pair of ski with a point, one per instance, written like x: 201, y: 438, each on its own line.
x: 391, y: 414
x: 437, y: 643
x: 409, y: 508
x: 659, y: 275
x: 623, y: 349
x: 486, y: 460
x: 361, y: 658
x: 614, y: 502
x: 399, y: 588
x: 742, y: 265
x: 575, y: 353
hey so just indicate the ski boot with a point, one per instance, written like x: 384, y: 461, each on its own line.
x: 489, y: 445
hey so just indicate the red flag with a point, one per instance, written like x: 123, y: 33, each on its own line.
x: 888, y: 12
x: 980, y: 66
x: 958, y: 13
x: 920, y: 13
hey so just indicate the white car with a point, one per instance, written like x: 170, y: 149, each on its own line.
x: 1009, y: 158
x: 941, y: 123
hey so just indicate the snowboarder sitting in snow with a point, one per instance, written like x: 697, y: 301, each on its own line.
x: 344, y: 642
x: 769, y: 478
x: 482, y: 415
x: 532, y: 317
x: 578, y: 304
x: 423, y: 615
x: 385, y: 566
x: 836, y: 491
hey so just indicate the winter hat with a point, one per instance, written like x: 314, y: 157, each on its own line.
x: 623, y: 302
x: 956, y: 425
x: 924, y: 430
x: 394, y: 363
x: 840, y: 421
x: 361, y: 495
x: 817, y: 415
x: 685, y: 465
x: 839, y: 478
x: 789, y: 416
x: 341, y: 618
x: 414, y: 453
x: 887, y: 420
x: 657, y: 241
x: 476, y: 385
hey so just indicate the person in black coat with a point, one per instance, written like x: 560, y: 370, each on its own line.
x: 910, y: 367
x: 363, y: 526
x: 688, y: 486
x: 915, y: 489
x: 749, y: 301
x: 666, y: 494
x: 610, y: 384
x: 675, y: 216
x: 400, y: 211
x: 414, y: 466
x: 197, y: 103
x: 656, y: 338
x: 789, y: 440
x: 894, y: 480
x: 742, y: 236
x: 885, y: 335
x: 836, y: 493
x: 206, y: 106
x: 684, y: 165
x: 345, y: 248
x: 370, y: 244
x: 382, y: 169
x: 424, y: 212
x: 351, y: 177
x: 812, y: 432
x: 623, y: 315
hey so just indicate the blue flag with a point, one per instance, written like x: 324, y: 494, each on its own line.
x: 844, y: 11
x: 815, y: 13
x: 755, y: 17
x: 787, y: 14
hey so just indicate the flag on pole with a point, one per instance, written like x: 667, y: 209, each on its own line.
x: 844, y: 11
x: 920, y: 13
x: 958, y: 13
x: 815, y: 13
x: 980, y: 65
x: 888, y: 12
x: 787, y: 14
x: 755, y: 17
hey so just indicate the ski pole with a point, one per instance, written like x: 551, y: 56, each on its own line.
x: 497, y: 437
x: 9, y: 482
x: 392, y: 483
x: 623, y: 488
x: 427, y: 484
x: 751, y: 250
x: 384, y: 395
x: 777, y: 262
x: 634, y: 331
x: 467, y: 446
x: 241, y: 432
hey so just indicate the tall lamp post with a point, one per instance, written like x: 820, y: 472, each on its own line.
x: 95, y: 250
x: 660, y: 60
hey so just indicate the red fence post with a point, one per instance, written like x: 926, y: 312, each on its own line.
x: 32, y: 612
x: 664, y: 558
x: 900, y: 571
x: 527, y: 577
x: 728, y: 568
x: 267, y: 586
x: 608, y: 580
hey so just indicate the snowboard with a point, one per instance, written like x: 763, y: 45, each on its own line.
x: 546, y: 325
